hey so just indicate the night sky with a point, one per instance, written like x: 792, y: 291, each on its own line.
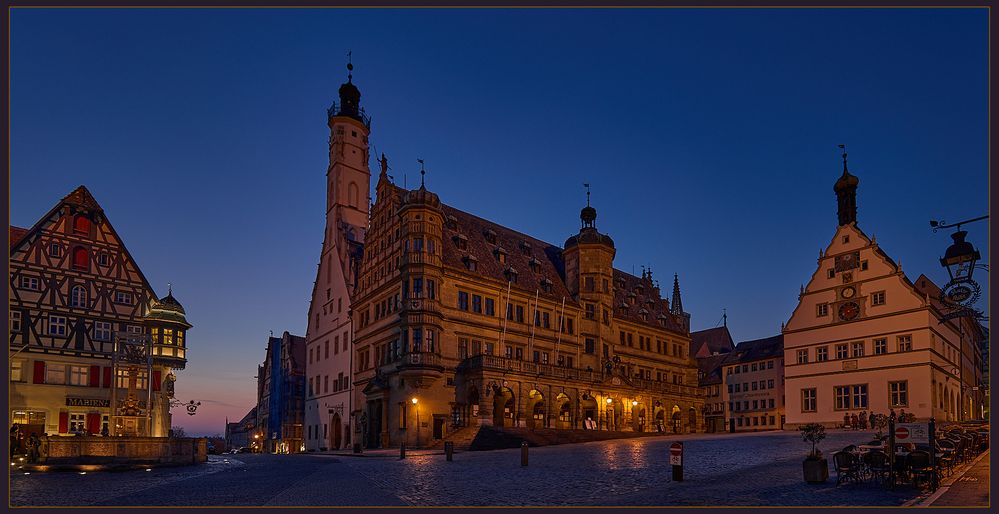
x: 709, y: 137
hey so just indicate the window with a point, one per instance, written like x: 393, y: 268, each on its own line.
x: 123, y: 297
x: 808, y: 400
x: 545, y: 321
x: 863, y: 265
x: 520, y: 354
x: 55, y: 250
x: 753, y: 367
x: 490, y: 307
x: 489, y: 348
x: 878, y: 298
x: 899, y: 393
x: 589, y: 284
x: 103, y: 258
x: 55, y: 374
x: 471, y: 263
x: 29, y: 283
x: 803, y: 356
x: 589, y: 346
x: 520, y: 314
x: 880, y: 346
x: 78, y: 375
x: 509, y: 352
x: 590, y: 309
x: 327, y: 349
x: 745, y: 367
x: 77, y: 422
x: 462, y: 300
x: 850, y: 397
x: 859, y: 396
x: 57, y: 325
x: 831, y: 273
x: 770, y: 385
x: 102, y: 330
x: 418, y: 289
x: 326, y: 384
x: 431, y: 289
x: 771, y: 404
x: 821, y: 310
x: 858, y: 349
x: 17, y: 371
x: 905, y: 343
x: 15, y: 321
x: 754, y: 386
x: 81, y: 225
x: 81, y: 258
x: 841, y: 351
x: 738, y: 388
x: 770, y: 364
x: 417, y: 340
x: 476, y: 304
x: 822, y: 354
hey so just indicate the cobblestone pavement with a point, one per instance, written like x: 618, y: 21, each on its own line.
x: 722, y: 469
x: 745, y: 469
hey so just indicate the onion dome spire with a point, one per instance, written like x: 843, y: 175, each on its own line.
x: 846, y: 194
x: 588, y: 215
x: 350, y: 96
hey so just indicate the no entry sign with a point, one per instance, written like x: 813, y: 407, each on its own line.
x: 676, y: 454
x: 912, y: 433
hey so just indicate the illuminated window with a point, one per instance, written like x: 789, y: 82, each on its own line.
x: 78, y: 375
x: 140, y: 379
x: 55, y: 374
x: 17, y: 371
x: 77, y: 422
x: 167, y: 336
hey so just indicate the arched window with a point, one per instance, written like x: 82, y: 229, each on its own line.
x: 81, y: 260
x: 78, y: 296
x: 352, y: 194
x: 81, y: 225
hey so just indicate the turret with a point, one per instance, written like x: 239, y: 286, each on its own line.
x: 846, y: 194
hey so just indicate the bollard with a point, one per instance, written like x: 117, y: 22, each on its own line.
x: 523, y: 453
x: 402, y: 451
x: 449, y: 450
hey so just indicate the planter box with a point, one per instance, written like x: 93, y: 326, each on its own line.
x: 816, y: 471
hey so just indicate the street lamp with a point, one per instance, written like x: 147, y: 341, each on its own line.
x: 415, y: 401
x: 960, y: 257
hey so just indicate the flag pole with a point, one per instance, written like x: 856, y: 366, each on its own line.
x: 506, y: 314
x: 561, y: 326
x: 535, y: 314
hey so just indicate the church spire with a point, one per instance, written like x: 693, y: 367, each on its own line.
x: 846, y: 194
x: 588, y: 215
x: 677, y: 304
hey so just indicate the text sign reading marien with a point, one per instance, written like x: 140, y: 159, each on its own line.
x: 912, y: 433
x: 676, y: 454
x: 87, y: 402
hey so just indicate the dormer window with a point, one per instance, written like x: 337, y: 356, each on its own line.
x: 526, y: 248
x: 451, y: 222
x: 535, y: 265
x: 471, y: 263
x: 510, y: 274
x: 638, y: 289
x: 490, y: 236
x: 546, y: 285
x: 461, y: 242
x: 662, y: 320
x: 500, y: 255
x: 644, y: 314
x: 624, y: 307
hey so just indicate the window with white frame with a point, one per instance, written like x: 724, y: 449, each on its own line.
x: 850, y: 397
x: 858, y: 349
x: 57, y: 325
x: 140, y: 379
x: 878, y: 298
x: 905, y: 343
x: 102, y: 331
x: 842, y: 351
x: 78, y: 375
x: 803, y: 356
x: 808, y: 397
x: 55, y: 374
x: 822, y: 354
x: 30, y: 283
x: 821, y: 310
x: 78, y: 297
x: 880, y: 346
x: 77, y: 422
x: 103, y: 258
x: 55, y: 250
x: 899, y: 393
x: 123, y: 297
x: 15, y: 321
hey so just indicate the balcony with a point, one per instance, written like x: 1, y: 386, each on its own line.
x: 360, y: 116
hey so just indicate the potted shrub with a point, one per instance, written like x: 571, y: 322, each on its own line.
x: 815, y: 467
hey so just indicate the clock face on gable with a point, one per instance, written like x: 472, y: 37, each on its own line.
x: 848, y: 311
x: 847, y: 261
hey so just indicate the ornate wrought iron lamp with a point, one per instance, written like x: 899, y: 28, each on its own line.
x: 960, y: 260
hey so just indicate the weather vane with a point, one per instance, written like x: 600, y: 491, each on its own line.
x: 587, y: 186
x: 843, y: 147
x: 423, y: 172
x: 350, y: 67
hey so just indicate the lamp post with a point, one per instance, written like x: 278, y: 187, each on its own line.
x: 610, y: 401
x: 960, y: 260
x: 415, y: 404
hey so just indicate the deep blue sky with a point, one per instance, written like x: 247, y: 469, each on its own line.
x: 709, y: 137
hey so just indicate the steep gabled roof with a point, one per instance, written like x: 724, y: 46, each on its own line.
x: 709, y: 369
x: 15, y: 234
x: 81, y: 198
x: 705, y: 343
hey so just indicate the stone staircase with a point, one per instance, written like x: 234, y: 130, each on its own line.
x: 487, y: 437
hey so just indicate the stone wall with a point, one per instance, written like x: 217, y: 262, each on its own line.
x: 122, y: 450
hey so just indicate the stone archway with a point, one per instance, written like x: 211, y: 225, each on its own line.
x: 563, y: 408
x: 535, y: 409
x: 660, y: 419
x: 589, y: 412
x: 639, y: 422
x: 504, y: 408
x: 675, y: 420
x: 614, y: 417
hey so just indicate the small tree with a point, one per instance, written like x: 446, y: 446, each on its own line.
x: 813, y: 433
x: 178, y: 431
x: 879, y: 422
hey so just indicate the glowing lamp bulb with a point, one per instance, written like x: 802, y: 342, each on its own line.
x: 414, y: 401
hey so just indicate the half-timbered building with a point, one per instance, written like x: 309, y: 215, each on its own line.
x: 77, y: 298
